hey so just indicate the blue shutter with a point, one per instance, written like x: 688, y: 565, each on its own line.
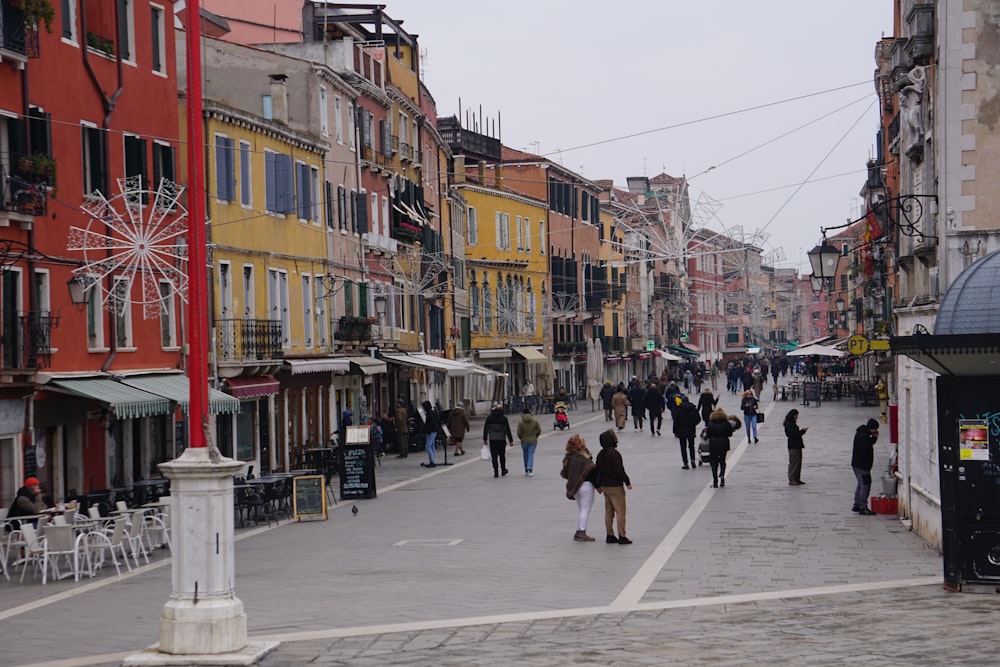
x: 302, y: 188
x: 328, y: 197
x: 284, y: 182
x: 271, y: 185
x: 230, y: 170
x: 362, y: 211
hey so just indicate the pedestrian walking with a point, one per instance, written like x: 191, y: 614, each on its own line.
x: 580, y: 473
x: 719, y: 429
x: 528, y: 430
x: 401, y: 421
x: 714, y: 374
x: 749, y: 406
x: 458, y: 424
x: 612, y: 477
x: 862, y: 459
x: 432, y: 424
x: 795, y: 447
x: 619, y: 406
x: 606, y: 394
x: 707, y: 401
x: 637, y: 399
x: 686, y: 420
x: 654, y: 406
x: 496, y: 433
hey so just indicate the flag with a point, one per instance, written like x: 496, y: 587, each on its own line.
x: 873, y: 230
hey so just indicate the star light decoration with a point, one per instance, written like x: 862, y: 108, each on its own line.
x: 136, y: 236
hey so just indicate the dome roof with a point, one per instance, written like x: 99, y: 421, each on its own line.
x: 972, y: 303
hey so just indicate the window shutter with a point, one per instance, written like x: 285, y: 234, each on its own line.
x: 328, y: 203
x: 499, y: 236
x: 302, y: 190
x: 230, y: 169
x: 220, y: 167
x: 271, y: 182
x: 284, y: 183
x: 362, y: 212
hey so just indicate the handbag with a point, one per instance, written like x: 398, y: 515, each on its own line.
x: 760, y: 417
x: 484, y: 453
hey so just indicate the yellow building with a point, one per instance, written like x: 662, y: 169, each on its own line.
x: 612, y: 328
x: 507, y: 279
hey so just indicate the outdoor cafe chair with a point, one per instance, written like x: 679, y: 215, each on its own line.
x: 121, y: 506
x: 34, y: 550
x: 108, y: 542
x: 61, y: 545
x: 134, y: 538
x: 157, y: 525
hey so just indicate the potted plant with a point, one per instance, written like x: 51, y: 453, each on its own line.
x: 37, y: 168
x: 36, y: 12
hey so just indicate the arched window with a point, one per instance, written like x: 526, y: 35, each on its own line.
x: 487, y: 306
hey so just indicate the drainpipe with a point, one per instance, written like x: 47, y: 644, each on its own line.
x: 109, y: 108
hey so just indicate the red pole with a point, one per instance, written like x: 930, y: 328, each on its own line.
x: 197, y: 289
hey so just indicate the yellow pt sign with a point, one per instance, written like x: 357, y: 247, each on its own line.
x: 857, y: 344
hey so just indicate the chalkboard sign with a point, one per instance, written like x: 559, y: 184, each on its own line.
x: 810, y: 393
x: 309, y: 497
x: 357, y: 471
x: 30, y: 461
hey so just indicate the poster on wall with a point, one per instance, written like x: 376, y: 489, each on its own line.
x: 973, y: 440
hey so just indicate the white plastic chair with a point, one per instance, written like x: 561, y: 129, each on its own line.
x: 121, y: 506
x: 157, y: 526
x: 61, y: 544
x: 34, y: 550
x: 110, y: 542
x: 135, y: 539
x: 94, y: 513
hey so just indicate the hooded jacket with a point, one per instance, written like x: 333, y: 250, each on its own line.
x: 719, y: 430
x: 497, y: 428
x: 706, y: 403
x: 528, y: 429
x: 610, y: 467
x: 458, y: 422
x: 864, y: 446
x: 686, y: 419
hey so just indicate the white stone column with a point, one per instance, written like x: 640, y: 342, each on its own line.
x: 203, y: 617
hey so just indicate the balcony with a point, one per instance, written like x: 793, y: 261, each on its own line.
x: 577, y: 347
x: 25, y: 183
x: 16, y: 38
x: 353, y: 329
x: 27, y: 340
x: 248, y: 340
x: 405, y: 152
x: 613, y: 343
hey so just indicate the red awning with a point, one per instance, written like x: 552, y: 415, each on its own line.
x: 645, y: 355
x: 253, y: 387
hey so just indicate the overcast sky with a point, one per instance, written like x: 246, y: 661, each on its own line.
x: 565, y: 74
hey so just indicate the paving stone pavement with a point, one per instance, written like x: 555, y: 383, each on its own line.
x: 451, y: 566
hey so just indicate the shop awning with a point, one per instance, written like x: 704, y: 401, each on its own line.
x: 428, y: 361
x: 319, y: 365
x: 361, y: 365
x: 530, y: 354
x: 124, y: 401
x: 680, y: 349
x: 252, y: 387
x: 787, y: 347
x: 666, y: 355
x: 495, y: 353
x: 176, y: 388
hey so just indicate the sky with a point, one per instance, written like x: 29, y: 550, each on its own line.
x: 768, y: 108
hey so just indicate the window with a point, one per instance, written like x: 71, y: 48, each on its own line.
x: 517, y: 223
x: 157, y: 39
x: 487, y: 307
x: 505, y: 228
x: 95, y: 171
x: 404, y: 129
x: 277, y: 303
x: 374, y: 221
x: 307, y: 311
x: 473, y: 222
x: 95, y: 319
x: 386, y: 218
x: 321, y: 320
x: 168, y: 328
x: 135, y: 160
x: 338, y: 119
x: 68, y: 12
x: 164, y: 159
x: 246, y: 176
x: 306, y: 190
x: 342, y: 207
x: 278, y: 178
x: 350, y: 125
x: 121, y: 297
x: 266, y: 107
x: 324, y: 112
x: 225, y: 169
x: 527, y: 235
x: 541, y: 237
x: 126, y: 30
x: 249, y: 307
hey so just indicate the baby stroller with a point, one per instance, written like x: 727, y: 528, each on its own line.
x: 703, y: 448
x: 562, y: 418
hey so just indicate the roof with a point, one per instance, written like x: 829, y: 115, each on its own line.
x: 972, y: 303
x: 508, y: 154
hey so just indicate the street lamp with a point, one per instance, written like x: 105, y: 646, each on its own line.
x: 380, y: 302
x: 824, y: 259
x: 840, y: 304
x: 77, y: 290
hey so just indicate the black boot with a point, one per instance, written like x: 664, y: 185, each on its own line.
x: 715, y: 482
x: 722, y: 481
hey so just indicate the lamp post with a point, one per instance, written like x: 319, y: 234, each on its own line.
x: 380, y: 302
x: 77, y: 290
x: 824, y: 259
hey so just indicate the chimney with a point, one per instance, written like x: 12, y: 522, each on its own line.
x: 498, y: 176
x: 279, y: 97
x: 459, y: 161
x: 482, y: 172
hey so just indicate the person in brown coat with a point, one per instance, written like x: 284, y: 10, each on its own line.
x: 580, y: 473
x: 619, y: 405
x: 458, y: 424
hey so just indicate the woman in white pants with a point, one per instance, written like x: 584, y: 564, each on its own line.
x: 580, y: 473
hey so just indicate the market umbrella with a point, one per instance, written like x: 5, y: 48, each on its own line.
x: 593, y: 381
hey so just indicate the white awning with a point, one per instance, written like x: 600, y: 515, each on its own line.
x: 495, y: 353
x: 367, y: 365
x: 448, y: 366
x: 319, y: 365
x: 530, y: 354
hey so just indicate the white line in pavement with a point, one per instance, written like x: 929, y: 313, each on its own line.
x: 647, y: 573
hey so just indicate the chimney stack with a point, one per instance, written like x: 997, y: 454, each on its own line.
x: 498, y: 176
x: 279, y: 97
x: 459, y: 177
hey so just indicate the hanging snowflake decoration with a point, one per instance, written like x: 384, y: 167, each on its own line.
x: 136, y: 236
x: 508, y: 315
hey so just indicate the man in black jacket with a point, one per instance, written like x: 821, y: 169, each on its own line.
x: 686, y: 420
x: 612, y: 478
x: 654, y: 407
x: 606, y: 394
x: 861, y: 460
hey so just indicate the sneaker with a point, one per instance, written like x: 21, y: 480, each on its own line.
x: 624, y: 540
x: 755, y: 441
x: 505, y: 471
x: 864, y: 511
x: 611, y: 539
x: 531, y: 473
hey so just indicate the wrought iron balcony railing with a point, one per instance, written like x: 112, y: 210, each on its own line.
x: 349, y: 328
x: 27, y: 340
x: 248, y: 340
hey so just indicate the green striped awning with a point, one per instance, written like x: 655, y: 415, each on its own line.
x: 124, y: 401
x: 175, y: 388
